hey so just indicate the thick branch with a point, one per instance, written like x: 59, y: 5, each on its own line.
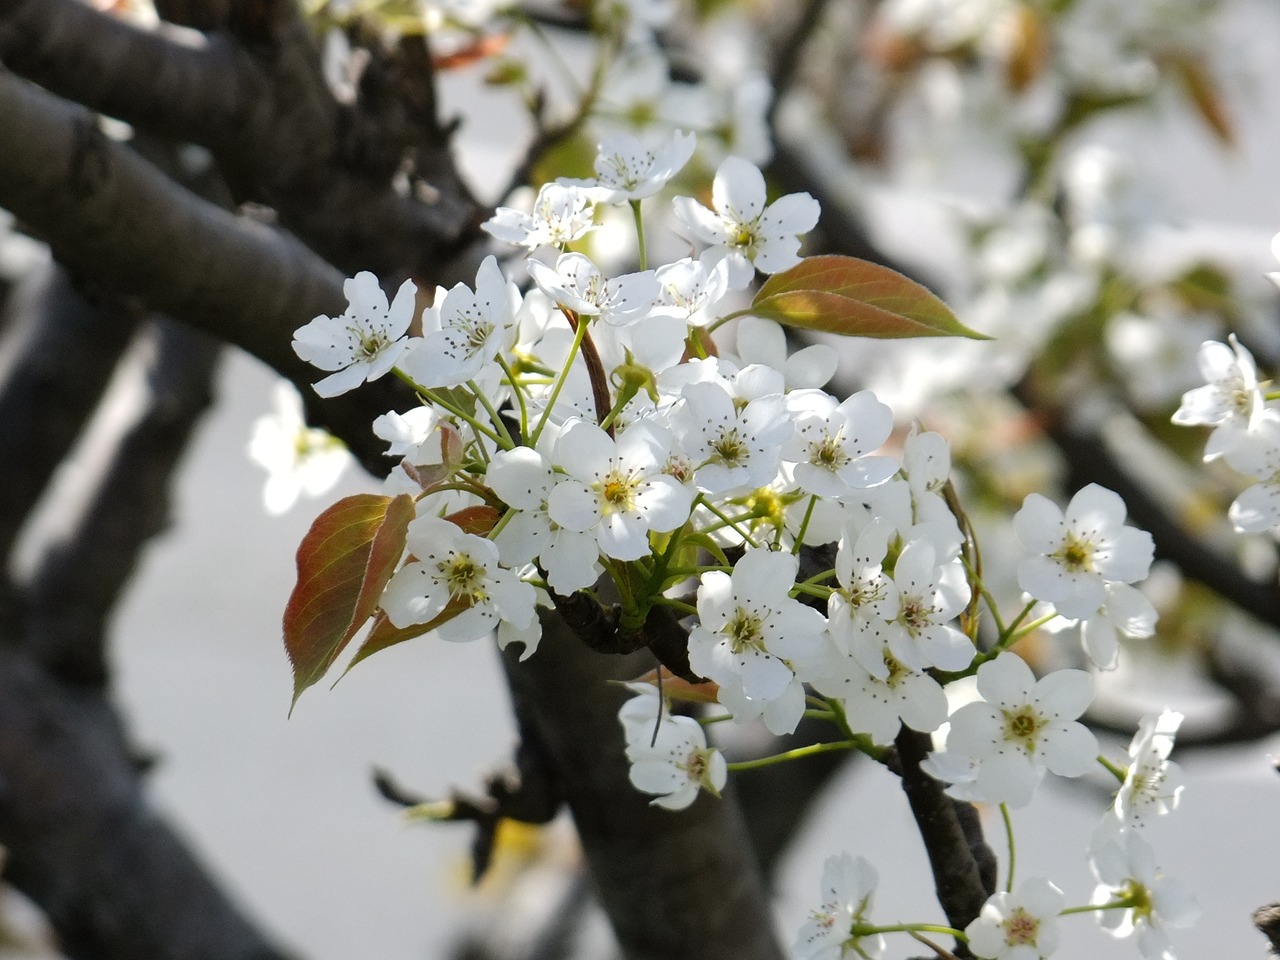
x: 62, y: 353
x: 964, y: 868
x: 675, y: 885
x: 83, y: 574
x: 263, y: 107
x: 120, y: 222
x: 114, y: 880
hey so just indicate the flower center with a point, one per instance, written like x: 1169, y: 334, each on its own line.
x: 1076, y: 554
x: 617, y: 492
x: 914, y: 614
x: 1021, y: 929
x: 1022, y: 726
x: 828, y: 453
x: 464, y: 577
x: 744, y: 631
x: 370, y: 342
x: 729, y: 448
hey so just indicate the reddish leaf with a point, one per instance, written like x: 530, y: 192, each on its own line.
x: 386, y: 634
x: 478, y: 520
x: 344, y: 562
x: 856, y: 298
x: 1205, y: 94
x: 675, y: 688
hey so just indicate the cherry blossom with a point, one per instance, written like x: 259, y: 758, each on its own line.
x: 1075, y: 555
x: 561, y: 214
x: 1125, y: 866
x: 1231, y: 402
x: 848, y: 885
x: 364, y: 342
x: 626, y: 169
x: 456, y: 571
x: 750, y: 627
x: 744, y: 230
x: 298, y: 459
x: 463, y: 330
x: 1021, y: 926
x: 1022, y: 727
x: 1153, y: 783
x: 578, y: 285
x: 615, y: 489
x: 832, y: 442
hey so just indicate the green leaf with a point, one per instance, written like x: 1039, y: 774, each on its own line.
x: 856, y: 298
x: 344, y: 562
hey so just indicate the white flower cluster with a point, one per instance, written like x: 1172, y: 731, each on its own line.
x: 591, y: 429
x: 1133, y: 896
x: 1246, y: 429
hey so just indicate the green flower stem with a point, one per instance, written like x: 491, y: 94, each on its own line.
x: 728, y: 522
x: 804, y: 525
x: 818, y: 578
x: 675, y: 604
x: 640, y: 244
x: 798, y: 753
x: 868, y: 929
x: 860, y: 741
x: 812, y: 590
x: 718, y: 718
x: 1008, y: 832
x: 515, y: 388
x: 985, y: 594
x: 450, y: 408
x: 579, y: 332
x: 1031, y: 627
x: 719, y: 322
x: 505, y: 438
x: 1123, y: 903
x: 1116, y: 771
x: 1007, y: 634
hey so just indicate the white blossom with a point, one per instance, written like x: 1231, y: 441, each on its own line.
x: 578, y: 285
x: 1018, y: 926
x: 298, y: 459
x: 750, y: 628
x: 1153, y: 783
x: 848, y: 885
x: 561, y: 214
x: 1125, y: 866
x: 1257, y: 508
x: 833, y: 441
x: 669, y: 754
x: 1022, y: 727
x: 1231, y: 402
x: 364, y: 342
x: 627, y: 169
x: 1075, y: 555
x: 732, y: 449
x: 455, y: 571
x: 765, y: 342
x: 745, y: 230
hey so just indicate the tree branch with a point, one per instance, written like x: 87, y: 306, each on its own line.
x: 120, y: 222
x: 675, y: 885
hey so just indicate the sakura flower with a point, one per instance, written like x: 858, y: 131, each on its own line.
x: 1022, y: 727
x: 1257, y: 509
x: 732, y: 448
x: 878, y: 705
x: 1153, y: 784
x: 628, y: 170
x: 750, y: 627
x: 670, y: 757
x: 832, y: 442
x: 463, y: 330
x: 561, y: 214
x: 615, y: 489
x: 919, y: 634
x: 298, y: 459
x: 743, y: 230
x: 764, y: 342
x: 578, y: 285
x: 1021, y: 926
x: 830, y: 933
x: 1076, y: 554
x: 1146, y: 900
x: 691, y: 290
x: 364, y: 342
x: 455, y: 571
x: 1125, y: 612
x: 1231, y: 402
